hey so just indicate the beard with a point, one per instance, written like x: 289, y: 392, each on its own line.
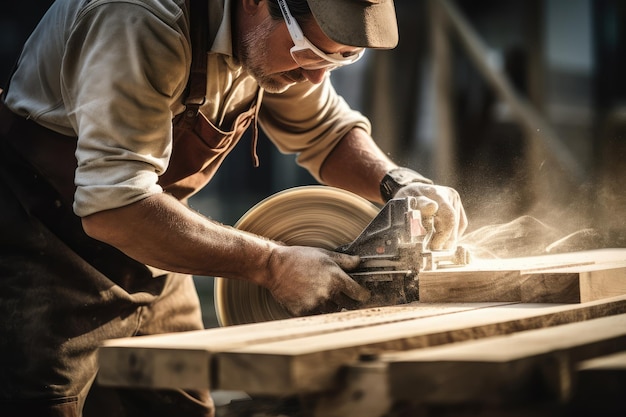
x: 254, y: 57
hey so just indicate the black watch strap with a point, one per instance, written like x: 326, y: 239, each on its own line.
x: 398, y: 178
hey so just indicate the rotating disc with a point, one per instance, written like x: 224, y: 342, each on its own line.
x: 317, y: 216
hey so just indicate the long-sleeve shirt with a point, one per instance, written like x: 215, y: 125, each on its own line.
x: 113, y: 73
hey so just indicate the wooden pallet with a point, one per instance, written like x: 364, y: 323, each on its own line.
x: 481, y: 358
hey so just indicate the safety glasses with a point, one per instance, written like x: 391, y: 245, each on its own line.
x: 307, y: 55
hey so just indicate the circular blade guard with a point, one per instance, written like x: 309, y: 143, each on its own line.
x: 317, y: 216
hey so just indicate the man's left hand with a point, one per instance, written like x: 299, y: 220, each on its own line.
x: 444, y: 204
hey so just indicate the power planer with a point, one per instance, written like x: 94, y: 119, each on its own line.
x: 392, y: 242
x: 394, y: 248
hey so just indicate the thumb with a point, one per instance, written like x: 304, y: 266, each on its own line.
x: 352, y: 289
x: 348, y: 286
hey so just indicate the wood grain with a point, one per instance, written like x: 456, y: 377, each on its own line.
x: 562, y: 278
x: 305, y: 354
x: 526, y: 366
x: 184, y: 360
x: 309, y: 364
x: 577, y: 284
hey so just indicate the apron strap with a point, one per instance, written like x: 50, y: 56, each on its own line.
x: 196, y: 84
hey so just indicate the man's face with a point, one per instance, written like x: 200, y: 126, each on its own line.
x: 265, y: 52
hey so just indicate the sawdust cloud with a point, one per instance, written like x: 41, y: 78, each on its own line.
x: 555, y: 224
x: 527, y: 236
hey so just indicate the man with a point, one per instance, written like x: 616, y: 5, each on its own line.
x: 87, y: 240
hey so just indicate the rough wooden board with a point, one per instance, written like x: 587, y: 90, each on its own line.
x: 364, y: 393
x: 574, y: 284
x: 495, y: 280
x: 137, y: 367
x: 596, y: 285
x: 183, y: 360
x: 526, y: 366
x: 310, y: 364
x: 600, y: 385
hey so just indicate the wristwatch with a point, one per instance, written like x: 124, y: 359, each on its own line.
x: 398, y: 178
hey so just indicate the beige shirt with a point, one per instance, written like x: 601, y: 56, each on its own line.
x: 112, y: 73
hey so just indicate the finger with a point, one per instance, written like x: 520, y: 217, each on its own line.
x: 445, y: 204
x: 424, y: 198
x: 345, y: 262
x: 426, y: 206
x: 352, y: 289
x: 445, y: 228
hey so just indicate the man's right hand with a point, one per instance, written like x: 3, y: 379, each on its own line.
x: 307, y: 280
x: 304, y: 280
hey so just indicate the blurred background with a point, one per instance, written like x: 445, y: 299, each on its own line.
x: 518, y: 104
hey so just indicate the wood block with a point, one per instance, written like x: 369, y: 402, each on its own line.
x: 530, y: 366
x: 577, y: 284
x: 501, y: 280
x: 184, y: 360
x: 310, y: 364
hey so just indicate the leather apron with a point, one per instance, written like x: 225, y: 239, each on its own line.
x: 62, y: 292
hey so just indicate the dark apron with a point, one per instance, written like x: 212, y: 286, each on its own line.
x: 199, y: 149
x: 62, y: 293
x: 41, y: 166
x: 58, y: 272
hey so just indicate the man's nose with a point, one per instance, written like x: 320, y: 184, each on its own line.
x: 314, y: 76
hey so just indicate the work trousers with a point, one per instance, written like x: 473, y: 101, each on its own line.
x: 57, y: 307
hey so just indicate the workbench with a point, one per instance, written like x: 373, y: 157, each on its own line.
x: 522, y: 337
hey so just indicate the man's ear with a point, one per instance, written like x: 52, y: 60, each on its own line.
x: 251, y: 7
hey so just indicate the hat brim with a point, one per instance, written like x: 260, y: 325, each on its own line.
x: 357, y: 23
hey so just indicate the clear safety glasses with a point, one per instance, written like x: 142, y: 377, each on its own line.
x: 307, y: 55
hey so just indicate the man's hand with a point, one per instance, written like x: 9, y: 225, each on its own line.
x: 445, y: 205
x: 308, y: 280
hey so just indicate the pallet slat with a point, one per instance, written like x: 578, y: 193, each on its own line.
x: 307, y: 355
x: 514, y: 369
x: 184, y: 360
x: 310, y: 364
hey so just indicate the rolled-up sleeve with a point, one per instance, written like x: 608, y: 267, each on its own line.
x: 309, y: 120
x: 123, y: 70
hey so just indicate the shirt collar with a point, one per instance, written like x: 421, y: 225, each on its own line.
x: 223, y: 43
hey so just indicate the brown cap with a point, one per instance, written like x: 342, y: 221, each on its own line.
x: 361, y: 23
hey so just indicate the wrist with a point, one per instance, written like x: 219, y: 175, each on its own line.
x: 398, y: 178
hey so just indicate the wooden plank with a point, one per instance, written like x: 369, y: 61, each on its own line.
x: 494, y: 280
x: 364, y: 393
x: 574, y: 284
x: 600, y: 386
x: 309, y: 364
x: 536, y: 365
x: 184, y: 360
